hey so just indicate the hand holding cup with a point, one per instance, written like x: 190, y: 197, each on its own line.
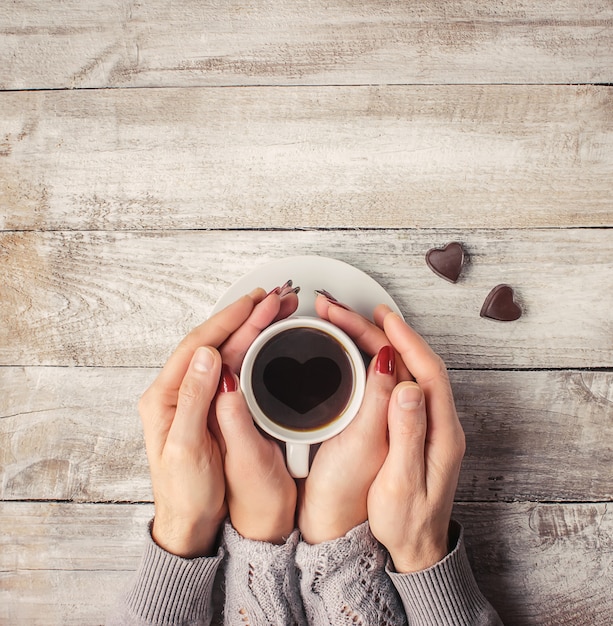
x: 410, y: 501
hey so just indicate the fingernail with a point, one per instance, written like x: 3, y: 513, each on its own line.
x: 326, y: 294
x: 287, y: 288
x: 331, y: 299
x: 203, y: 360
x: 276, y: 290
x: 386, y: 361
x: 286, y: 292
x: 227, y: 381
x: 409, y: 397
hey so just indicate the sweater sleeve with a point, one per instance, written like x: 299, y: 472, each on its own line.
x: 343, y: 582
x: 168, y: 589
x: 261, y: 584
x: 445, y: 594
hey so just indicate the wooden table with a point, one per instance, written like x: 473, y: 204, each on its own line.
x: 151, y: 153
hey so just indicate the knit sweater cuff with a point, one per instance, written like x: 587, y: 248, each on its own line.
x: 343, y: 581
x: 261, y: 552
x: 446, y: 593
x: 172, y: 590
x: 261, y: 583
x: 326, y: 557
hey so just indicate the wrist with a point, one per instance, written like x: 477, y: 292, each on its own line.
x: 267, y: 525
x: 186, y: 539
x: 316, y: 530
x: 416, y: 558
x: 275, y: 534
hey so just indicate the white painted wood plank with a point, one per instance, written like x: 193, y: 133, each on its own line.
x: 301, y: 157
x: 117, y: 43
x: 66, y: 564
x: 74, y: 434
x: 537, y: 564
x: 126, y: 299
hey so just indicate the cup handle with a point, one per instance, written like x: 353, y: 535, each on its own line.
x: 297, y: 455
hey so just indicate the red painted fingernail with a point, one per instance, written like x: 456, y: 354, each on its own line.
x: 276, y: 290
x: 227, y: 381
x: 386, y: 361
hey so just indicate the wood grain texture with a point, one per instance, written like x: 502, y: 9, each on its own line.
x: 120, y: 43
x: 246, y: 131
x: 537, y: 564
x: 307, y: 157
x: 126, y: 299
x: 543, y: 564
x: 74, y: 434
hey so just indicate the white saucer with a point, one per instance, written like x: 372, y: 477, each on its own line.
x: 348, y: 284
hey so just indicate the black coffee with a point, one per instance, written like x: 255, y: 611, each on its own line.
x: 302, y: 379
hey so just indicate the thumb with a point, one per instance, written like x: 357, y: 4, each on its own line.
x: 408, y: 424
x: 234, y: 419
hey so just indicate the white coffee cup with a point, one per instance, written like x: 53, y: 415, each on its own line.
x: 299, y: 440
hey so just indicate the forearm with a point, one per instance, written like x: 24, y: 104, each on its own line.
x: 344, y: 582
x: 261, y: 581
x: 446, y: 593
x: 168, y: 589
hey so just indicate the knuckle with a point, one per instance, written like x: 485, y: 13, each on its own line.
x: 393, y: 489
x: 461, y: 446
x: 191, y: 390
x: 440, y: 369
x: 456, y: 448
x: 396, y: 489
x: 145, y: 403
x: 177, y: 453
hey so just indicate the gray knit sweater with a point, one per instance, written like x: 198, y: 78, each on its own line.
x: 348, y: 581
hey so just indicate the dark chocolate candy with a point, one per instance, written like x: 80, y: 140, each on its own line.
x: 446, y: 262
x: 500, y: 305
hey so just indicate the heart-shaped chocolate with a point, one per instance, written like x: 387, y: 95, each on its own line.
x: 446, y: 262
x: 500, y: 305
x: 302, y: 386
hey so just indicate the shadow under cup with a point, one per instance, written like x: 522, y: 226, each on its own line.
x: 303, y: 380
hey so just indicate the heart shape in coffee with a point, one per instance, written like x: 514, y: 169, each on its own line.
x: 302, y: 386
x: 446, y: 262
x: 500, y: 305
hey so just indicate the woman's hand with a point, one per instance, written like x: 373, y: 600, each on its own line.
x: 410, y: 501
x: 184, y: 457
x: 333, y: 496
x: 185, y: 446
x: 261, y: 494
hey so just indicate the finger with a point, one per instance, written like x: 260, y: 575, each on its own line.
x: 407, y: 426
x: 366, y: 335
x: 243, y: 443
x: 371, y: 421
x: 289, y: 304
x: 189, y: 426
x: 419, y: 357
x: 445, y: 434
x: 321, y: 307
x: 423, y: 363
x: 381, y: 310
x: 213, y: 332
x: 234, y: 349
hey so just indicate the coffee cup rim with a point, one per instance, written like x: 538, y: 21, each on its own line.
x: 357, y: 394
